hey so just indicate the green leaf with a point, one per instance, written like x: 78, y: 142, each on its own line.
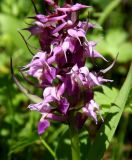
x: 107, y: 97
x: 48, y: 148
x: 128, y: 108
x: 125, y: 51
x: 62, y: 149
x: 10, y: 25
x: 23, y: 142
x: 107, y: 130
x: 119, y: 36
x: 116, y: 41
x: 107, y: 11
x: 85, y: 142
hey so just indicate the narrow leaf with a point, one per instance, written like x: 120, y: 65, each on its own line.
x: 107, y: 130
x: 23, y: 142
x: 107, y: 11
x: 48, y: 148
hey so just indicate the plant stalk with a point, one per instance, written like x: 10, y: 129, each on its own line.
x: 107, y: 11
x: 74, y: 136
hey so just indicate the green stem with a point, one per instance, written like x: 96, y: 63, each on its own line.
x: 48, y: 148
x: 108, y: 10
x: 74, y: 136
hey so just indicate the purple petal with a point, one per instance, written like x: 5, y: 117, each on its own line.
x: 60, y: 90
x: 85, y: 25
x: 64, y: 105
x: 98, y: 55
x: 78, y: 7
x: 102, y: 80
x: 75, y: 34
x: 41, y: 107
x: 84, y: 70
x: 49, y: 75
x: 72, y: 43
x: 34, y: 30
x: 58, y: 28
x: 72, y: 32
x: 47, y: 94
x: 90, y: 52
x: 90, y: 109
x: 65, y: 46
x: 42, y: 18
x: 58, y: 18
x: 73, y: 8
x: 43, y: 125
x: 55, y: 117
x: 75, y: 68
x: 94, y: 79
x: 81, y: 33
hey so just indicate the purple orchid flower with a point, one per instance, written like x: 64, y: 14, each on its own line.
x: 87, y: 79
x: 59, y: 66
x: 40, y: 69
x: 43, y: 125
x: 90, y: 109
x: 91, y: 52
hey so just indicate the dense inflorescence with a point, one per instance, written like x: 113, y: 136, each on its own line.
x: 59, y: 66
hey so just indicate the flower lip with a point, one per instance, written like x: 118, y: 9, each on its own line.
x: 90, y: 109
x: 43, y: 125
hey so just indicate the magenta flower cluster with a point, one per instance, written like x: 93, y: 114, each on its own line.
x: 59, y: 66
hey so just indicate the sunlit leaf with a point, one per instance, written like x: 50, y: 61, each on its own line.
x: 107, y: 97
x: 115, y: 42
x: 107, y: 130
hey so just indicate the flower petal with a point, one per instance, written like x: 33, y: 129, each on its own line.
x: 73, y: 8
x: 43, y: 125
x: 64, y: 105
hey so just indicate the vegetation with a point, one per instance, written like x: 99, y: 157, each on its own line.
x: 110, y: 139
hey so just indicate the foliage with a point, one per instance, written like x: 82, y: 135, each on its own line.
x: 18, y: 135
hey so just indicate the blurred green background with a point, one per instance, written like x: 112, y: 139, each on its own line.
x: 18, y: 126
